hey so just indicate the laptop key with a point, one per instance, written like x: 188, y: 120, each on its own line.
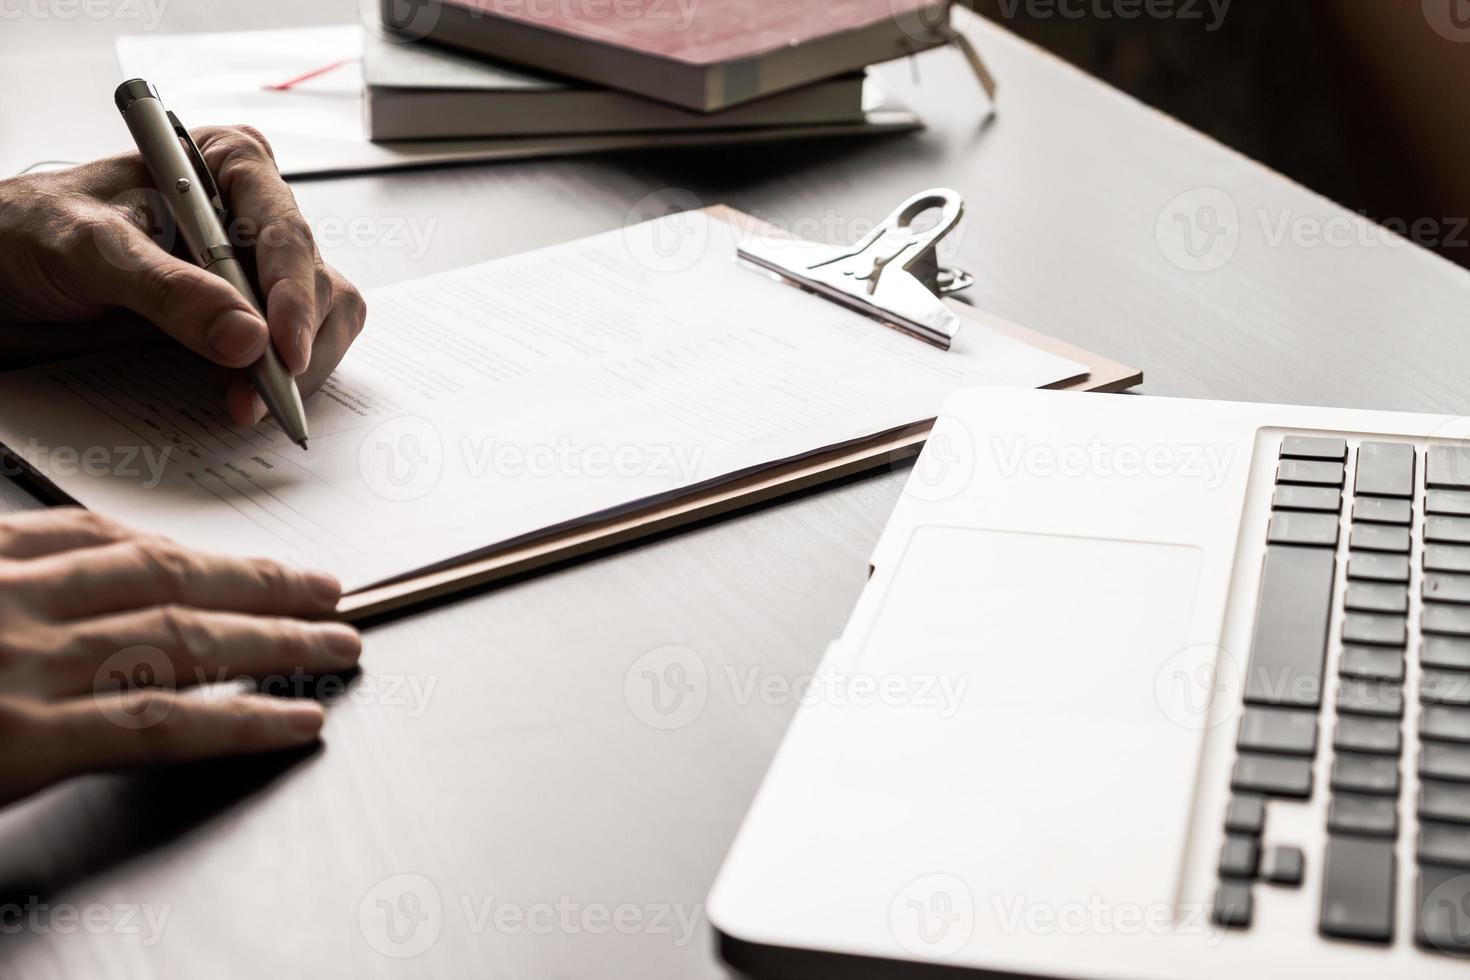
x: 1443, y: 843
x: 1246, y: 815
x: 1445, y: 651
x: 1439, y: 587
x: 1372, y: 628
x: 1446, y: 558
x: 1372, y: 775
x: 1320, y: 499
x: 1448, y: 468
x: 1232, y: 908
x: 1357, y: 889
x: 1444, y: 687
x: 1377, y: 597
x: 1447, y: 530
x: 1363, y: 816
x: 1311, y: 530
x: 1442, y: 917
x: 1383, y: 699
x: 1372, y: 663
x: 1283, y: 865
x: 1442, y: 618
x: 1448, y: 802
x: 1239, y: 857
x: 1379, y: 537
x: 1292, y: 615
x: 1438, y: 760
x: 1374, y: 567
x: 1385, y: 469
x: 1381, y: 510
x: 1272, y: 776
x: 1451, y: 503
x: 1444, y: 723
x: 1314, y: 447
x: 1285, y: 731
x: 1373, y: 736
x: 1308, y: 472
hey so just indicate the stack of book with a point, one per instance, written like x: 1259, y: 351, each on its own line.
x: 475, y: 69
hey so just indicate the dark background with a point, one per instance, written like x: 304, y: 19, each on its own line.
x: 1362, y: 101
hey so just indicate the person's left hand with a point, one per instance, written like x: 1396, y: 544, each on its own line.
x: 116, y: 649
x: 77, y: 243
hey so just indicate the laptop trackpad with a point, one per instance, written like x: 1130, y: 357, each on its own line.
x: 1062, y: 766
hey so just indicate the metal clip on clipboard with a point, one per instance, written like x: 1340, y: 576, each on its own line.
x: 893, y: 274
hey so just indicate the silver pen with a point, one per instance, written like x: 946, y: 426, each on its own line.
x: 182, y: 177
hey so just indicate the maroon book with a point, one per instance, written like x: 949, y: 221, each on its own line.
x: 700, y: 54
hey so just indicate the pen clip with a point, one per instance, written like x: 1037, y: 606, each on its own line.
x: 200, y: 167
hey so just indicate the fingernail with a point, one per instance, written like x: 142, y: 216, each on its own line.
x: 236, y: 335
x: 323, y: 588
x: 303, y: 351
x: 305, y: 718
x: 340, y: 640
x: 258, y: 411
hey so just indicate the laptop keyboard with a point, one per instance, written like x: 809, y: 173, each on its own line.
x: 1313, y: 509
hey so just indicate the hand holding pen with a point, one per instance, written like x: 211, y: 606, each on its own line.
x: 189, y: 192
x: 76, y: 244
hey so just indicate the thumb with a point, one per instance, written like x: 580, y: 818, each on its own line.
x: 199, y: 310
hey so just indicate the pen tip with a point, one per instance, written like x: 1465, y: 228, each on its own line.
x: 302, y: 444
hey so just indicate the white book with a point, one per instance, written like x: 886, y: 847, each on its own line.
x: 415, y: 91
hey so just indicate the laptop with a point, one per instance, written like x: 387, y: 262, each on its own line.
x: 1138, y: 688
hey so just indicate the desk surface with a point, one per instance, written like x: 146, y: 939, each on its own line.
x: 493, y: 748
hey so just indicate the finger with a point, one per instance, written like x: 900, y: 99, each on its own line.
x: 154, y: 572
x: 178, y: 647
x: 343, y: 325
x: 289, y: 271
x: 152, y: 726
x: 243, y: 402
x: 47, y: 532
x: 203, y: 312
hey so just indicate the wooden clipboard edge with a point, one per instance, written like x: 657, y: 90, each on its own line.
x: 1104, y: 375
x: 760, y: 488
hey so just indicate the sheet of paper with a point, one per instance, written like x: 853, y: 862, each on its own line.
x: 316, y: 125
x: 493, y: 403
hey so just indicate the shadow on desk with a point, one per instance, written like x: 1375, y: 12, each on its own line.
x: 82, y: 829
x: 721, y: 172
x: 57, y: 842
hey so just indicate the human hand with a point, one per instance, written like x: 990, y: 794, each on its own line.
x: 75, y: 244
x: 100, y: 627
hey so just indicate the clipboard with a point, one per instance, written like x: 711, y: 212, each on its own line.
x: 917, y: 262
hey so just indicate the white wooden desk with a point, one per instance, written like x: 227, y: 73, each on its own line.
x: 525, y: 777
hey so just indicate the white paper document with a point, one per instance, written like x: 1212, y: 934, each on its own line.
x: 497, y: 402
